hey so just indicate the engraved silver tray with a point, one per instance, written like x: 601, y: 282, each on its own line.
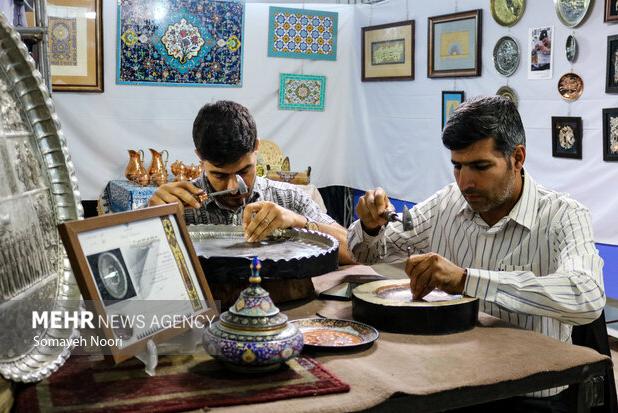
x: 506, y: 56
x: 38, y: 190
x: 295, y: 253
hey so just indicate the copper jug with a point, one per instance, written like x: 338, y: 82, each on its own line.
x: 135, y: 167
x: 158, y: 167
x: 179, y: 170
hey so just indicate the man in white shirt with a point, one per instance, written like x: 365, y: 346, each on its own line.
x: 525, y: 251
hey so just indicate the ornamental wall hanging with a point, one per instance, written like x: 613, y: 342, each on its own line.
x: 193, y: 43
x: 302, y: 34
x: 301, y: 92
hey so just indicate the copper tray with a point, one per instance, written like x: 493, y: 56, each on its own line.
x: 295, y: 253
x: 335, y: 334
x: 388, y: 305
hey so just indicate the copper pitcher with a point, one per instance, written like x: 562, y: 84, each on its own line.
x: 135, y: 168
x: 158, y: 167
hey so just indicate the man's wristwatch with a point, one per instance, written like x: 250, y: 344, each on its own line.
x: 311, y: 225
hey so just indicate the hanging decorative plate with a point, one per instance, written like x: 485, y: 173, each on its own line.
x: 508, y: 93
x: 333, y: 333
x: 38, y: 190
x: 572, y: 12
x: 507, y: 12
x: 506, y: 56
x: 571, y: 49
x: 570, y: 86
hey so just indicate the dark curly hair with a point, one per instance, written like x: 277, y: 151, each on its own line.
x: 223, y: 132
x: 483, y: 117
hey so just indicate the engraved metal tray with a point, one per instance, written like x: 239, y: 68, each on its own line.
x: 38, y: 190
x: 295, y: 253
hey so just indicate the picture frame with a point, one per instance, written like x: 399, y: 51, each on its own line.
x: 610, y: 134
x: 454, y: 43
x: 566, y: 137
x: 140, y: 265
x: 387, y: 51
x: 611, y: 11
x: 451, y: 99
x: 76, y: 45
x: 611, y: 73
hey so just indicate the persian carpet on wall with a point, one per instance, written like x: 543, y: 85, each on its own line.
x: 189, y: 43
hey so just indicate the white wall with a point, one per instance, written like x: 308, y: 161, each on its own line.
x: 372, y: 133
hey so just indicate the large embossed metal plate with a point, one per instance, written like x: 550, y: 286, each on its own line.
x: 38, y: 190
x: 572, y: 12
x: 297, y: 253
x: 507, y: 12
x: 506, y: 56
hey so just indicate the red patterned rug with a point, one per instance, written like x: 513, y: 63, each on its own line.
x: 88, y: 384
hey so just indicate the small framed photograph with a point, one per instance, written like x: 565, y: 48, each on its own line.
x: 140, y: 277
x: 611, y: 11
x: 75, y: 45
x: 454, y: 44
x: 610, y: 134
x: 611, y: 77
x: 450, y: 100
x: 566, y: 137
x: 540, y: 52
x: 388, y: 51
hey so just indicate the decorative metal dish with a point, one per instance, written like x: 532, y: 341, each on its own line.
x: 508, y: 93
x: 571, y: 49
x: 38, y: 190
x: 332, y: 333
x: 507, y: 12
x: 388, y: 305
x: 572, y: 12
x: 570, y: 86
x: 293, y: 253
x: 506, y: 56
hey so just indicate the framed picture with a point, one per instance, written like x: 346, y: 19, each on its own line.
x: 610, y: 134
x: 611, y: 77
x: 75, y: 45
x: 611, y: 11
x: 454, y: 44
x: 566, y: 137
x: 301, y: 92
x: 388, y: 51
x: 140, y: 267
x: 450, y: 100
x: 540, y: 52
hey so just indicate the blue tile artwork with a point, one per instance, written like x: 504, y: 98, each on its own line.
x: 301, y: 92
x: 302, y: 34
x: 180, y: 42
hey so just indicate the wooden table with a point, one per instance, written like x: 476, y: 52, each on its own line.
x: 433, y: 373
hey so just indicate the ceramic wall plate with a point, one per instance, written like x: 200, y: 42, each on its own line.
x: 331, y: 333
x: 38, y: 191
x: 570, y: 49
x: 506, y: 56
x: 507, y: 12
x: 508, y: 93
x: 572, y: 12
x: 570, y: 86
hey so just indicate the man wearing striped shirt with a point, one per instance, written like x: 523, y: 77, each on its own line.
x: 525, y: 251
x: 225, y: 138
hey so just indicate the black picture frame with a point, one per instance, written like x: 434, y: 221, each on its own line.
x: 449, y: 99
x: 611, y: 74
x: 398, y: 35
x: 610, y: 134
x: 611, y: 11
x: 566, y: 133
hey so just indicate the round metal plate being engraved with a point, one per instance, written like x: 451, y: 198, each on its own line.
x: 507, y: 12
x: 506, y: 56
x: 508, y: 93
x: 571, y: 49
x: 296, y: 253
x: 388, y: 305
x: 38, y: 190
x: 570, y: 86
x: 572, y: 12
x: 332, y: 333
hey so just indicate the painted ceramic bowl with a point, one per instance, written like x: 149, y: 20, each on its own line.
x: 253, y: 335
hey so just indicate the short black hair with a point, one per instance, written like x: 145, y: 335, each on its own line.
x: 483, y: 117
x: 223, y: 132
x: 543, y: 35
